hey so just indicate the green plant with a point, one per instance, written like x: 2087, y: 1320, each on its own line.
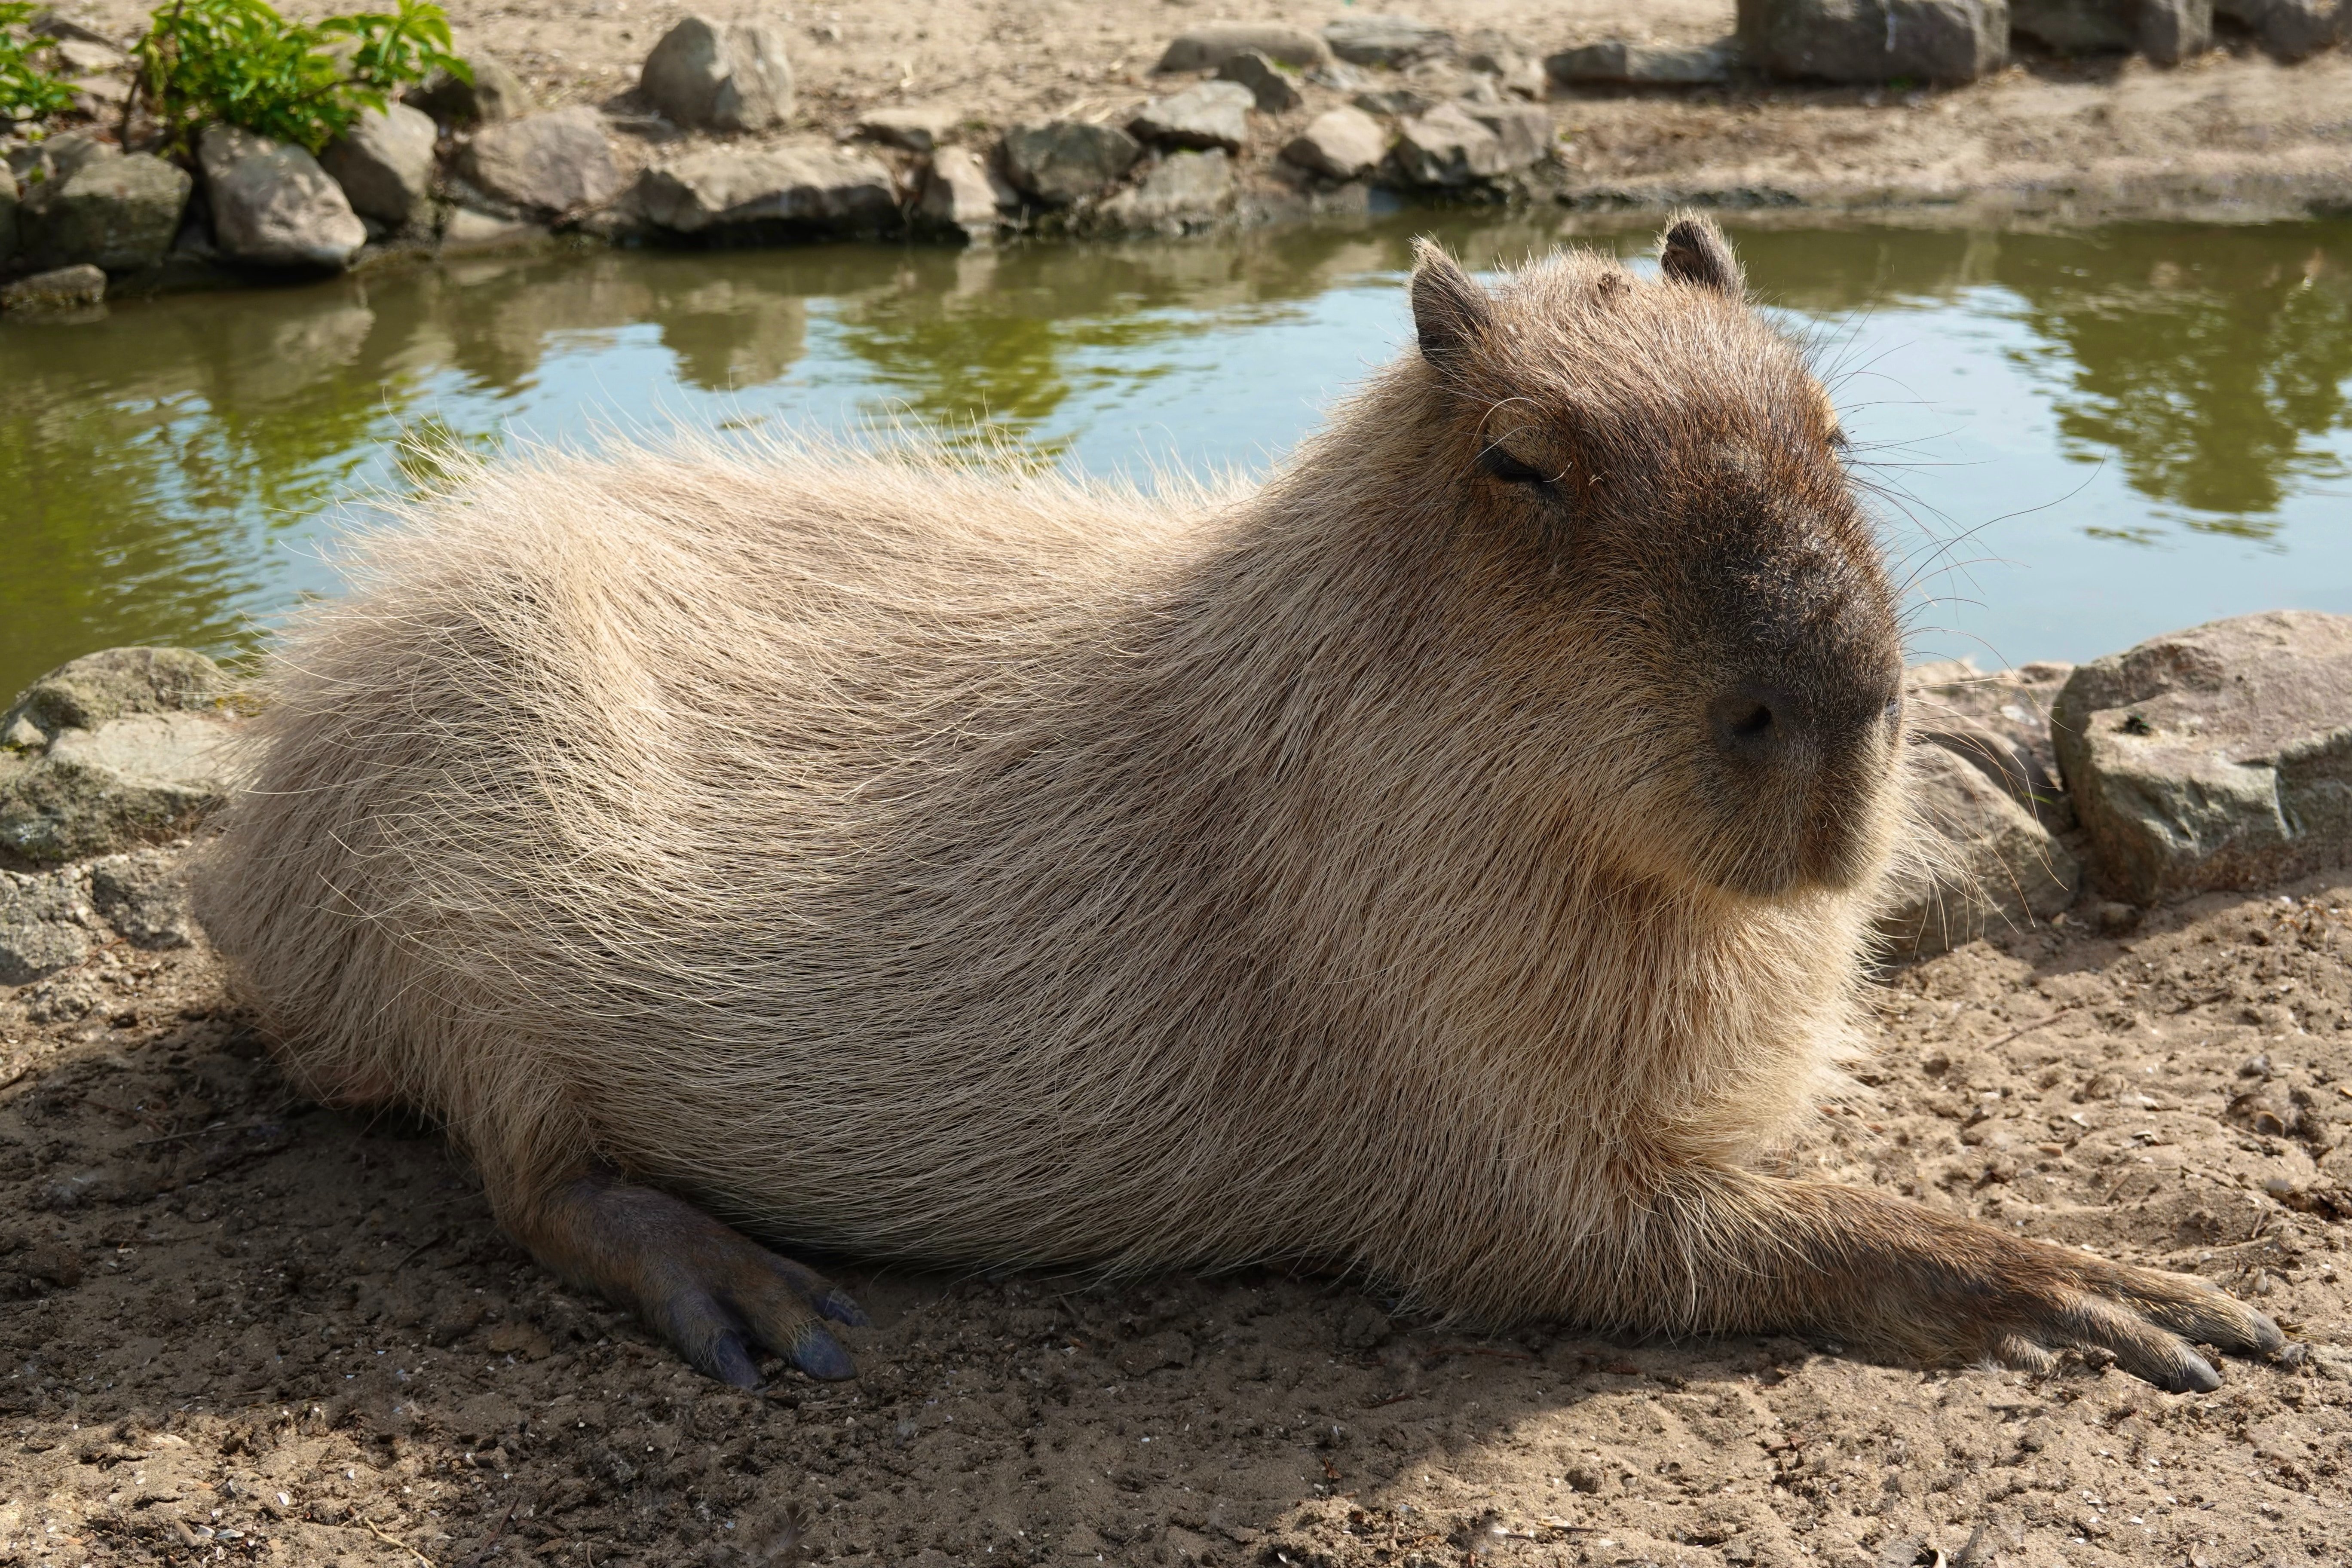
x: 27, y: 91
x: 241, y: 63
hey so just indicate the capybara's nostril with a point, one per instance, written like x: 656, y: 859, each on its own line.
x: 1754, y: 722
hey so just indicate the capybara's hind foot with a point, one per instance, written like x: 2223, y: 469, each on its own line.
x: 716, y: 1295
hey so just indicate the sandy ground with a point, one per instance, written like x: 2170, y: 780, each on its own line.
x: 2233, y: 134
x: 239, y: 1328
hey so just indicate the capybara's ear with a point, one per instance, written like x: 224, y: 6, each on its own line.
x: 1450, y: 312
x: 1694, y: 251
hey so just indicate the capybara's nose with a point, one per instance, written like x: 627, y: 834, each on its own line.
x: 1756, y: 723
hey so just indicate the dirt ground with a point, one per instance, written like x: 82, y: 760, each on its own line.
x: 2232, y: 135
x: 239, y: 1327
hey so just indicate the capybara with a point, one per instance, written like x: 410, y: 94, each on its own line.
x: 1448, y: 863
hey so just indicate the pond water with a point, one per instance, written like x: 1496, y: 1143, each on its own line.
x: 2082, y: 440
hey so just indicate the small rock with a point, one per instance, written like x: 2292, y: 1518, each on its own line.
x: 91, y: 690
x: 1985, y: 864
x: 545, y: 164
x: 1618, y: 63
x: 2166, y: 31
x: 1214, y: 114
x: 707, y: 75
x: 495, y: 94
x: 1394, y: 102
x: 469, y: 230
x: 47, y: 924
x: 118, y: 211
x: 963, y: 193
x: 49, y: 23
x: 2216, y: 757
x: 912, y: 128
x: 273, y: 206
x: 1065, y: 160
x: 144, y: 896
x: 113, y: 750
x: 1364, y: 1326
x: 2291, y: 29
x: 82, y: 56
x: 1391, y: 41
x: 1339, y: 144
x: 2114, y: 918
x: 9, y: 203
x: 1999, y: 723
x: 815, y: 186
x: 64, y: 288
x: 1447, y: 149
x: 1848, y: 40
x: 1498, y: 56
x: 384, y: 164
x: 1181, y: 194
x: 1274, y: 91
x: 1523, y: 130
x: 1206, y: 49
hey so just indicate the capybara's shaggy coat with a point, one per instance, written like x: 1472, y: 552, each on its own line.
x: 1447, y: 863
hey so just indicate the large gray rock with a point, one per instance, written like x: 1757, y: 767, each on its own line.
x: 2168, y: 31
x: 117, y: 749
x: 1212, y: 115
x: 1446, y: 150
x: 1617, y: 63
x: 960, y: 192
x: 1206, y: 49
x: 815, y: 186
x: 384, y: 164
x: 1876, y: 40
x: 1979, y: 862
x: 47, y: 924
x: 1272, y: 87
x: 74, y: 287
x: 1339, y: 144
x: 2217, y: 757
x: 112, y: 209
x: 1183, y: 192
x: 273, y: 206
x: 1392, y: 41
x: 545, y: 164
x: 1065, y: 160
x: 496, y: 93
x: 2292, y: 28
x: 707, y: 75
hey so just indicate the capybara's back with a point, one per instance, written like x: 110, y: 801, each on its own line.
x: 1447, y: 862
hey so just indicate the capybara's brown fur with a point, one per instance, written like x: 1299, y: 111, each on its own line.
x: 1448, y: 862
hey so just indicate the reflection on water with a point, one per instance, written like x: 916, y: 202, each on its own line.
x: 171, y: 472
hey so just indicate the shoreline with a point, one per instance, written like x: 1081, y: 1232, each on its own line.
x: 2231, y: 136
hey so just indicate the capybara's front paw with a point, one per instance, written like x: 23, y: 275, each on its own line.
x: 716, y: 1296
x: 2151, y: 1322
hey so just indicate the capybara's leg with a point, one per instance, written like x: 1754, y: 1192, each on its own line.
x: 713, y: 1292
x: 1773, y: 1255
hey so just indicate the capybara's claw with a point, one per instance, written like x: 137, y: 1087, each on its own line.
x: 2150, y: 1321
x: 716, y: 1295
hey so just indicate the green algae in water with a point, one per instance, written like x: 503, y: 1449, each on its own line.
x: 2079, y: 439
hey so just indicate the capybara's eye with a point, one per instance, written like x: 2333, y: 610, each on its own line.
x: 1501, y: 465
x: 1894, y: 714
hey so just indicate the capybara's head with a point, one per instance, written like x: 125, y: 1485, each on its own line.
x: 1656, y: 488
